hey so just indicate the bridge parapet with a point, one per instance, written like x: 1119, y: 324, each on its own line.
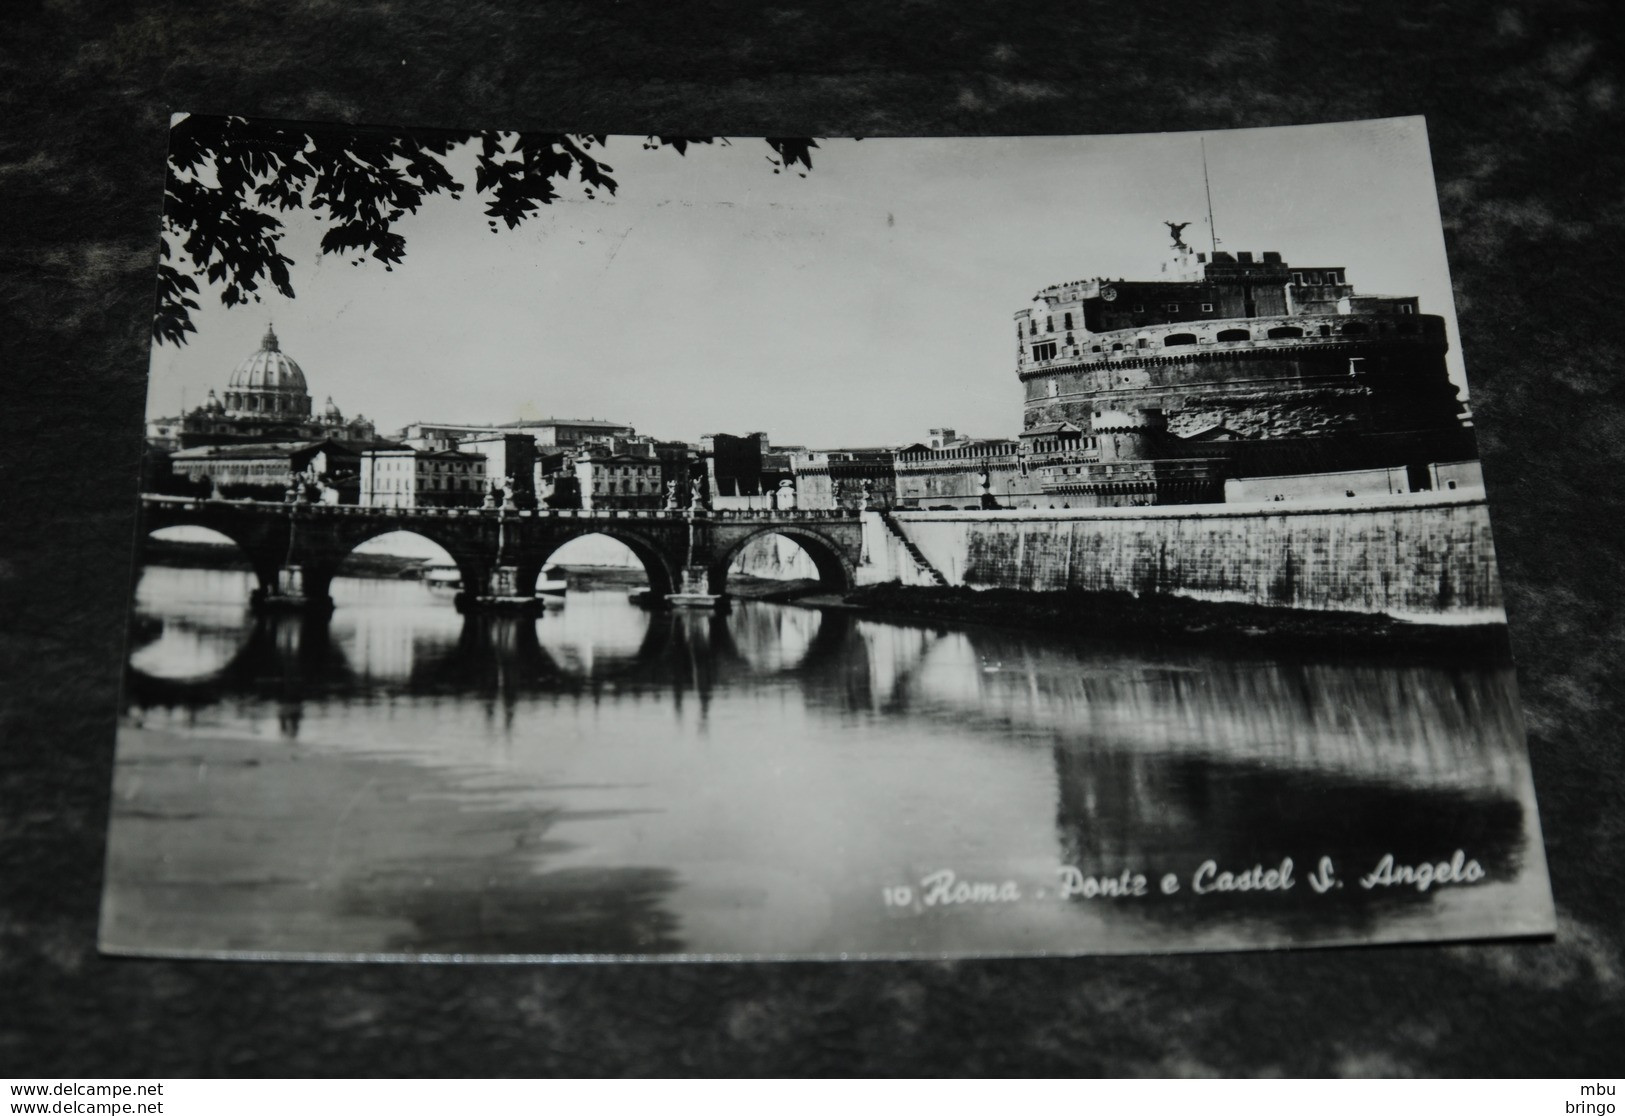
x: 190, y: 503
x: 798, y: 515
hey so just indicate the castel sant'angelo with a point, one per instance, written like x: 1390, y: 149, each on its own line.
x: 1227, y: 367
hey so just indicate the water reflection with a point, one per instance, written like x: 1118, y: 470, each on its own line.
x: 607, y: 779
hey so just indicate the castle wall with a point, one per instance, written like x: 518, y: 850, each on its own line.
x: 1317, y: 486
x: 1257, y: 397
x: 952, y: 476
x: 1426, y: 556
x: 1363, y: 379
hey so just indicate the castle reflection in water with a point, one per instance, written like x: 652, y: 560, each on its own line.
x: 840, y: 753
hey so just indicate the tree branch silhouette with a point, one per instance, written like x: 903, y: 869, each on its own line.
x: 229, y: 177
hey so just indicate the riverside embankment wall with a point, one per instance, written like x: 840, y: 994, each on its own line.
x: 1422, y: 556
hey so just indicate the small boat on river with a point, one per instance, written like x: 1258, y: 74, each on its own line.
x: 553, y: 582
x: 442, y: 577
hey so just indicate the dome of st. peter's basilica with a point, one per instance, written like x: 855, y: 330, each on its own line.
x: 268, y: 382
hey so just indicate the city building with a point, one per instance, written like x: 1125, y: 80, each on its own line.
x: 679, y: 463
x: 266, y: 399
x: 399, y: 476
x: 743, y: 473
x: 634, y: 471
x: 846, y: 478
x: 555, y: 482
x: 510, y: 462
x: 266, y: 470
x: 574, y: 432
x: 544, y: 432
x: 620, y: 480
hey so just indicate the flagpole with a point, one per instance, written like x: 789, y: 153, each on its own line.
x: 1213, y: 234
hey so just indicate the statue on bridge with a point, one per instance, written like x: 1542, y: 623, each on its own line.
x: 302, y: 484
x: 696, y: 490
x: 671, y: 495
x: 785, y: 498
x: 866, y: 495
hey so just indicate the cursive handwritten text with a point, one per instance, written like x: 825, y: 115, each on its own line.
x: 1209, y: 879
x: 1457, y: 870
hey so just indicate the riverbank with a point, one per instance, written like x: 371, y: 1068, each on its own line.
x: 192, y: 555
x: 773, y: 590
x: 741, y: 586
x: 583, y: 578
x: 1176, y: 620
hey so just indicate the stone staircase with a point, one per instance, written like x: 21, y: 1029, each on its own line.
x: 920, y: 561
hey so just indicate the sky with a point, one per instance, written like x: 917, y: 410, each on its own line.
x: 860, y: 304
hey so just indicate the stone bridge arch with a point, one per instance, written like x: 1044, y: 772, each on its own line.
x: 831, y: 557
x: 659, y: 564
x: 322, y: 545
x: 262, y: 541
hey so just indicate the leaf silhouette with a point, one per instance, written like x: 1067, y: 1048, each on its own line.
x: 229, y: 178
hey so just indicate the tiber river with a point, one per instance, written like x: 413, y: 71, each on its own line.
x: 785, y: 781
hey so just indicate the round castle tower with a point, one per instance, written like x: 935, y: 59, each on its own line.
x: 1159, y: 391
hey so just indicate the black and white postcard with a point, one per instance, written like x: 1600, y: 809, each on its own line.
x: 574, y: 546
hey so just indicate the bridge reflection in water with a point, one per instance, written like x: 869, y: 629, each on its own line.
x: 604, y: 779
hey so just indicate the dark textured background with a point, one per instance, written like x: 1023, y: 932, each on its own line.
x: 1524, y: 102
